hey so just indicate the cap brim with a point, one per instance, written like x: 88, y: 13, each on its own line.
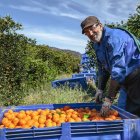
x: 88, y: 25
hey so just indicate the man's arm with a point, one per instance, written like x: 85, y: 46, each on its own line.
x: 103, y: 77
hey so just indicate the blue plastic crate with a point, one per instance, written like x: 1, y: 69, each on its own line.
x: 126, y: 129
x: 87, y: 75
x: 71, y: 82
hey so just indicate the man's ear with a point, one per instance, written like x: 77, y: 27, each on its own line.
x: 101, y: 26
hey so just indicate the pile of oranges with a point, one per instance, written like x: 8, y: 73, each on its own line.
x: 51, y: 118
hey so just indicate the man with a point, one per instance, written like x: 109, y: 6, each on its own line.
x: 118, y: 57
x: 122, y: 98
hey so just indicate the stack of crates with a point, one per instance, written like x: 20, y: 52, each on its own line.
x: 79, y: 79
x: 126, y: 129
x: 77, y: 82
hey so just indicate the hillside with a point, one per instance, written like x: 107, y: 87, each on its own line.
x: 77, y: 54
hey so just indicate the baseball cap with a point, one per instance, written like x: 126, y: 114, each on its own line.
x: 89, y: 21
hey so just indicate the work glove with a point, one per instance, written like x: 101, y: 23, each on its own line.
x: 98, y: 96
x: 105, y: 109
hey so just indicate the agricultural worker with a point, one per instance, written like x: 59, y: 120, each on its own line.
x: 122, y: 98
x: 118, y: 57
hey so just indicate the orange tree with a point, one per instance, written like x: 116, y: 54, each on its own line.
x: 12, y: 59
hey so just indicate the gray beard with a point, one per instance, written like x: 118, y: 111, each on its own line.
x: 97, y: 38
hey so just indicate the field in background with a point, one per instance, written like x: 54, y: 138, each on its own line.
x: 45, y: 94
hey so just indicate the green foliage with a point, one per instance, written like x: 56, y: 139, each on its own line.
x: 62, y: 61
x: 91, y: 53
x: 48, y: 95
x: 133, y: 23
x: 25, y: 65
x: 12, y: 59
x: 39, y: 72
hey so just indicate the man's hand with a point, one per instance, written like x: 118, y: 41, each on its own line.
x: 98, y: 96
x: 105, y: 110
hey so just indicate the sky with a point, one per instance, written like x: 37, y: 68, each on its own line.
x: 57, y: 22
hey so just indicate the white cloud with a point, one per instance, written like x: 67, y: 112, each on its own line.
x: 108, y: 10
x: 28, y: 9
x: 54, y: 40
x: 68, y: 31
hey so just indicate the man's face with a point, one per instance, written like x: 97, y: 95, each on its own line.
x: 94, y: 32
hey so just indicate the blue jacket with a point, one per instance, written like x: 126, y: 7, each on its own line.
x: 117, y: 53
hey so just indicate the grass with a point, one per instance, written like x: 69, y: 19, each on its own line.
x: 49, y: 95
x: 45, y: 94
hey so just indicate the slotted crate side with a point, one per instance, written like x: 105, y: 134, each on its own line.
x: 83, y: 75
x: 34, y: 134
x: 71, y: 82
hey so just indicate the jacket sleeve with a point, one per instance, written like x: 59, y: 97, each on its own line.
x: 103, y: 76
x: 117, y: 59
x: 118, y: 66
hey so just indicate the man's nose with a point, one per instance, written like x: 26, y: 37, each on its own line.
x: 89, y: 33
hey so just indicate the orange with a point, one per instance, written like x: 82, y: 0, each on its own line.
x: 30, y: 123
x: 20, y: 115
x: 112, y: 117
x: 93, y: 114
x: 58, y: 123
x: 35, y: 118
x: 28, y: 117
x: 22, y: 122
x: 66, y: 108
x: 22, y: 111
x: 10, y: 111
x: 85, y: 119
x: 41, y: 120
x: 41, y: 125
x: 49, y: 116
x: 1, y: 126
x: 17, y: 126
x: 54, y: 124
x: 36, y: 124
x: 15, y: 113
x: 74, y: 116
x: 48, y: 124
x: 63, y: 115
x: 10, y: 116
x: 61, y: 120
x: 26, y: 126
x: 70, y: 111
x: 43, y: 112
x: 116, y: 113
x: 5, y: 120
x: 42, y: 116
x: 70, y: 120
x: 52, y: 111
x: 32, y: 114
x: 108, y: 119
x: 27, y: 112
x: 47, y: 111
x: 93, y: 110
x: 6, y: 114
x: 39, y: 111
x: 15, y: 121
x: 78, y: 119
x: 11, y: 126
